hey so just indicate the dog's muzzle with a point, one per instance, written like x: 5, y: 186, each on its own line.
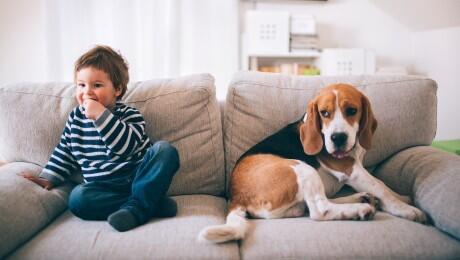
x: 340, y: 143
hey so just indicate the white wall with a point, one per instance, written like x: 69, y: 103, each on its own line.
x: 424, y: 39
x: 436, y: 54
x: 22, y: 43
x: 421, y: 35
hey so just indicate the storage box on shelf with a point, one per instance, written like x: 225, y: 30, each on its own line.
x: 279, y: 42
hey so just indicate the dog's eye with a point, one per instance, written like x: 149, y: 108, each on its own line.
x: 324, y: 113
x: 350, y: 111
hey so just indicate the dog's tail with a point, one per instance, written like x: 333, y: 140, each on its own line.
x: 234, y: 229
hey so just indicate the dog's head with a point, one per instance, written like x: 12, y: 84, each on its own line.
x: 337, y: 119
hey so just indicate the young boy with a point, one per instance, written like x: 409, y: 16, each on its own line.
x: 126, y: 178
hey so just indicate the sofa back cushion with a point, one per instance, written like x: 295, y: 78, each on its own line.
x: 183, y: 111
x: 259, y: 104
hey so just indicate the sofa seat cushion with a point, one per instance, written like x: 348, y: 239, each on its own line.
x: 25, y: 208
x: 385, y: 237
x: 170, y: 238
x: 183, y: 110
x: 259, y: 104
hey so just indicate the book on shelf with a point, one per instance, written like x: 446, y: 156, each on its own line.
x: 302, y: 42
x: 292, y: 69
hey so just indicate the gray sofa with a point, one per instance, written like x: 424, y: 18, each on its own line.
x: 34, y: 223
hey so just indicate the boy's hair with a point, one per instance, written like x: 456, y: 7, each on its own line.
x: 104, y: 58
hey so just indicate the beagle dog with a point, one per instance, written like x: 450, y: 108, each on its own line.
x: 280, y: 177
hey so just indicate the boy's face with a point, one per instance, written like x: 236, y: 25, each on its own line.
x: 95, y: 84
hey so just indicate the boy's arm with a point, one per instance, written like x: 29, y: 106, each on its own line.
x: 61, y: 163
x: 123, y: 136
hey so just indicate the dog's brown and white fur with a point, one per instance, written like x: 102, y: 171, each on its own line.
x: 269, y: 181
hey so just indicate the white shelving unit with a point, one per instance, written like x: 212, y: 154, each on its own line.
x: 276, y: 41
x: 253, y: 60
x: 348, y: 61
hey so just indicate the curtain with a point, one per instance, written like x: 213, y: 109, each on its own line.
x: 159, y: 38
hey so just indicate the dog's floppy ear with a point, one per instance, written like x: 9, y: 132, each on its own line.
x: 367, y: 124
x: 310, y: 131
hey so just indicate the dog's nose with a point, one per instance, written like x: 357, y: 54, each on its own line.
x: 339, y: 139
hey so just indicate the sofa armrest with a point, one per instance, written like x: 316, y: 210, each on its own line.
x: 432, y: 178
x: 25, y: 208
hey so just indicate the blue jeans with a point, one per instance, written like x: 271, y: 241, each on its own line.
x: 141, y: 195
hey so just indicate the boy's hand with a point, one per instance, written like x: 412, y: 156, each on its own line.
x: 93, y: 109
x: 40, y: 181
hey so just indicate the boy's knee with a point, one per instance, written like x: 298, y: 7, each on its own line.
x: 166, y: 151
x: 78, y: 202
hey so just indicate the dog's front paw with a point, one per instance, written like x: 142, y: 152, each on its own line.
x: 406, y: 211
x: 400, y: 209
x: 366, y: 212
x: 370, y: 199
x: 414, y: 214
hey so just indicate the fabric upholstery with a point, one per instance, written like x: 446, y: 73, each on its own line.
x: 32, y: 119
x: 259, y: 104
x: 385, y: 237
x: 183, y: 111
x: 432, y: 177
x: 25, y: 207
x: 170, y: 238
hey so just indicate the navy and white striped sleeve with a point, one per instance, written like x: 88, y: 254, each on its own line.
x: 123, y: 137
x: 61, y: 163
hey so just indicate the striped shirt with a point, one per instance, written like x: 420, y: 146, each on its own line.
x: 111, y: 146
